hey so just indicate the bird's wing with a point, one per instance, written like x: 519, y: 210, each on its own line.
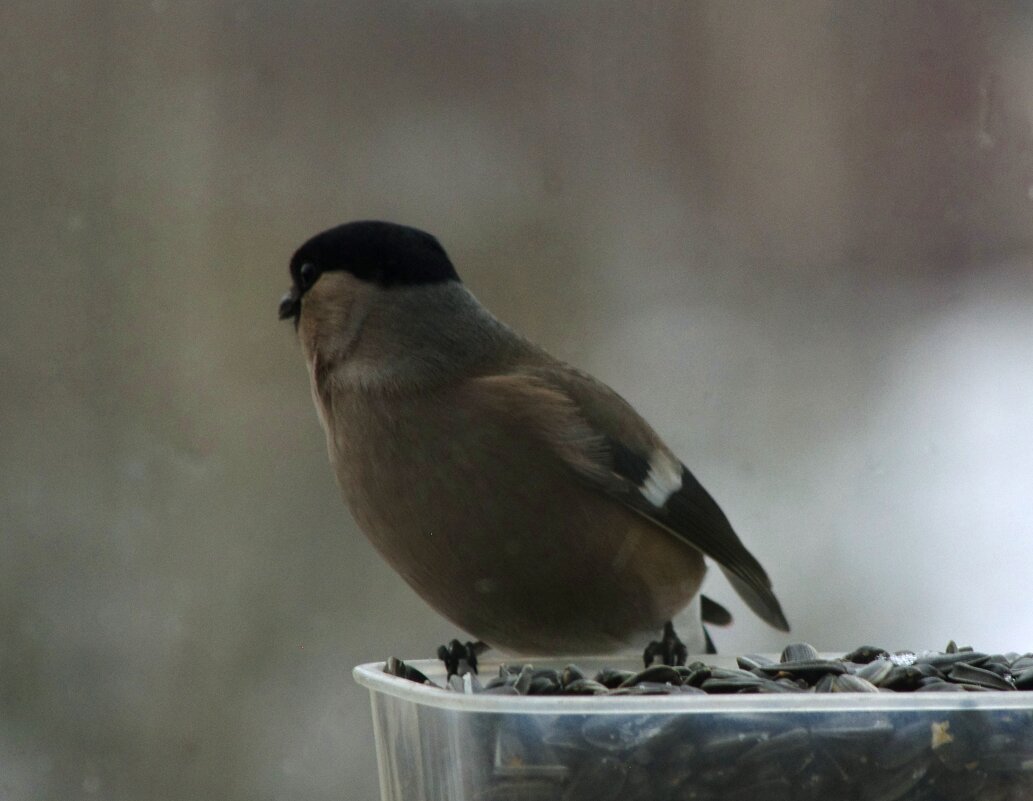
x: 608, y: 444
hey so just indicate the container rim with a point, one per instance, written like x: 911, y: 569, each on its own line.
x: 372, y: 676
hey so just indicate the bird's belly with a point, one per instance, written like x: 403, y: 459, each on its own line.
x: 532, y: 561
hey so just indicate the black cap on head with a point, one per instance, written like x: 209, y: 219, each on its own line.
x: 380, y: 252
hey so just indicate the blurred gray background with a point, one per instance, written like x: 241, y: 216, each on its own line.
x: 796, y: 235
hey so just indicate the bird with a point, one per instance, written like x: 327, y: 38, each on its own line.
x: 523, y: 499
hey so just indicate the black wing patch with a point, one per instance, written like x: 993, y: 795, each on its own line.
x: 627, y: 464
x: 693, y: 516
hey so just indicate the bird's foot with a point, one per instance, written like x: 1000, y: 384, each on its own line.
x: 668, y: 648
x: 461, y: 658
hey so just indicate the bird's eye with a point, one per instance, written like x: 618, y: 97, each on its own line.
x: 307, y: 275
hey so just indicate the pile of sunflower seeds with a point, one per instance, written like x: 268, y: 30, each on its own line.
x: 800, y: 669
x: 954, y: 754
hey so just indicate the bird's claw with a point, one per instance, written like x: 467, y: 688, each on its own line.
x: 668, y: 648
x: 461, y: 658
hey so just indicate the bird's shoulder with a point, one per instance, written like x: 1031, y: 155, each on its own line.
x: 596, y: 430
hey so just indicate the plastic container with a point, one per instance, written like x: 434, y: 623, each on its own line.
x: 436, y: 745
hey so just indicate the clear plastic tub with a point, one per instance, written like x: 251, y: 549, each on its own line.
x: 435, y: 745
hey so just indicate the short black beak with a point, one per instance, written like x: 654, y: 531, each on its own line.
x: 290, y: 305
